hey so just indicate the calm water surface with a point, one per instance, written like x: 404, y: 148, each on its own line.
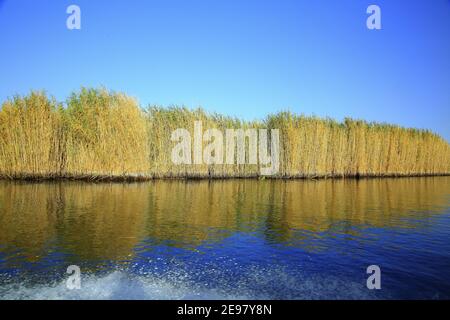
x: 226, y: 239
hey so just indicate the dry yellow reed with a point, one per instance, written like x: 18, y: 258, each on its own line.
x: 101, y: 134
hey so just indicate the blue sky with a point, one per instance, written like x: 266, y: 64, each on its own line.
x: 244, y: 58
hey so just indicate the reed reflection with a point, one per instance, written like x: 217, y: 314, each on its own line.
x: 108, y: 221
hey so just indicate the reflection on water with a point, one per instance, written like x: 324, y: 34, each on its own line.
x: 43, y: 225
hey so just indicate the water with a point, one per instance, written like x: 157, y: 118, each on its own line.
x: 233, y: 239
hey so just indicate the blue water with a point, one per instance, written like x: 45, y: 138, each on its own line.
x: 242, y: 239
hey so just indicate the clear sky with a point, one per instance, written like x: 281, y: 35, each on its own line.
x: 244, y: 58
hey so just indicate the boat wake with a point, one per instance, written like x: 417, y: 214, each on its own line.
x: 257, y: 284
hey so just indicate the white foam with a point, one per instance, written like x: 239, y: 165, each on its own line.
x: 116, y: 285
x: 122, y: 285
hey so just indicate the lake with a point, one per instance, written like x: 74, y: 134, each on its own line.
x: 226, y: 239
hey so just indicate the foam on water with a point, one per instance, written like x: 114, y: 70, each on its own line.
x: 124, y: 285
x: 115, y: 285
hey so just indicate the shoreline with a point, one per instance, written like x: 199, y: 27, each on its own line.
x: 106, y: 136
x: 146, y: 178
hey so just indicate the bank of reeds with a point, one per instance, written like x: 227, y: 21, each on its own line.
x: 106, y: 135
x: 326, y: 148
x: 98, y: 134
x: 32, y: 137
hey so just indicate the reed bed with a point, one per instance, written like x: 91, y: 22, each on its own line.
x: 32, y: 137
x: 163, y: 121
x: 100, y: 134
x: 314, y: 147
x: 106, y: 135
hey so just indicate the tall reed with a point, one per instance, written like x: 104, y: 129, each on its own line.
x: 163, y: 121
x: 313, y: 147
x: 31, y: 137
x: 102, y: 134
x: 106, y: 135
